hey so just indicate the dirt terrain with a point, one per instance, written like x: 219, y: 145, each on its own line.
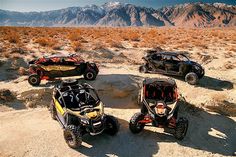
x: 27, y: 129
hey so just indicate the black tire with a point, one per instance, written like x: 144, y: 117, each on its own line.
x: 181, y: 128
x: 191, y: 78
x: 34, y: 79
x: 112, y: 125
x: 90, y: 74
x: 134, y: 126
x: 143, y: 69
x: 72, y: 136
x: 52, y: 110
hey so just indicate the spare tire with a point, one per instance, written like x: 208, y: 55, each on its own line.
x: 191, y: 78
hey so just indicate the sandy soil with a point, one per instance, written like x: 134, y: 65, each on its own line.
x: 27, y: 130
x: 33, y: 133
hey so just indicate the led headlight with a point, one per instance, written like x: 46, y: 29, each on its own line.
x: 84, y: 121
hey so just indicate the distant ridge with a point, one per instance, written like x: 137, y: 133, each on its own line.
x: 117, y: 14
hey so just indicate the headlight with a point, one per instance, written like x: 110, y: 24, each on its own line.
x: 84, y: 121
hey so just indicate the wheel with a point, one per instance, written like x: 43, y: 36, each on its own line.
x: 112, y: 125
x: 181, y: 128
x: 143, y: 69
x: 134, y: 125
x: 72, y: 136
x: 34, y: 79
x: 53, y: 110
x: 90, y: 74
x: 191, y: 78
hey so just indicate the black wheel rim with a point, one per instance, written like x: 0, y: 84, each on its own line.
x: 190, y: 78
x: 109, y: 126
x: 89, y: 75
x: 33, y: 80
x: 138, y: 125
x: 142, y: 69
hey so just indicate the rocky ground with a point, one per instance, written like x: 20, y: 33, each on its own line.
x: 27, y: 129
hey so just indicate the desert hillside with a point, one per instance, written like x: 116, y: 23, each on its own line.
x: 197, y: 14
x: 26, y: 126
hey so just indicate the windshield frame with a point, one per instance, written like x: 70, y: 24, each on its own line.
x: 77, y: 91
x: 183, y: 56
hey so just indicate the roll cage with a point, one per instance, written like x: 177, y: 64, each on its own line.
x: 160, y: 90
x: 62, y: 93
x: 58, y: 60
x: 165, y: 55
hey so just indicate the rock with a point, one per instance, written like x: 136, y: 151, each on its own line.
x: 22, y: 71
x: 6, y: 95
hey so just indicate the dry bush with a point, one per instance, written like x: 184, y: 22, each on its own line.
x: 12, y: 37
x: 229, y: 65
x: 75, y: 36
x: 99, y: 46
x: 77, y: 46
x: 229, y: 54
x: 57, y: 46
x: 6, y: 54
x: 116, y: 44
x: 131, y: 35
x: 45, y: 42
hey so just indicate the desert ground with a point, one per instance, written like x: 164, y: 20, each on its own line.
x: 27, y: 129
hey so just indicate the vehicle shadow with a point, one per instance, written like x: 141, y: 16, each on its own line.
x: 16, y: 104
x: 215, y: 84
x: 213, y: 134
x: 210, y: 132
x: 124, y: 144
x: 211, y: 83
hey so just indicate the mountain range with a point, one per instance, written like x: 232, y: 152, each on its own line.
x: 118, y: 14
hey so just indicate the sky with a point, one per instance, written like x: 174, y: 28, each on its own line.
x: 44, y: 5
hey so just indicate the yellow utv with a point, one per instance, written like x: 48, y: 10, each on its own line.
x: 79, y: 110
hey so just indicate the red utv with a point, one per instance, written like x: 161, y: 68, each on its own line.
x: 48, y: 68
x: 160, y: 103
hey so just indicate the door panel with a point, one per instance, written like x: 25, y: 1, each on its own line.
x: 60, y: 112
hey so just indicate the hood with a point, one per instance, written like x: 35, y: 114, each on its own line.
x: 195, y: 64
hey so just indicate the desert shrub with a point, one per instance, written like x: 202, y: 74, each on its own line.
x: 45, y: 42
x: 77, y: 46
x: 57, y: 47
x: 74, y: 36
x: 131, y: 35
x: 116, y: 44
x: 12, y: 37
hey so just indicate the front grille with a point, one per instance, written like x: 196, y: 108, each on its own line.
x: 96, y: 125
